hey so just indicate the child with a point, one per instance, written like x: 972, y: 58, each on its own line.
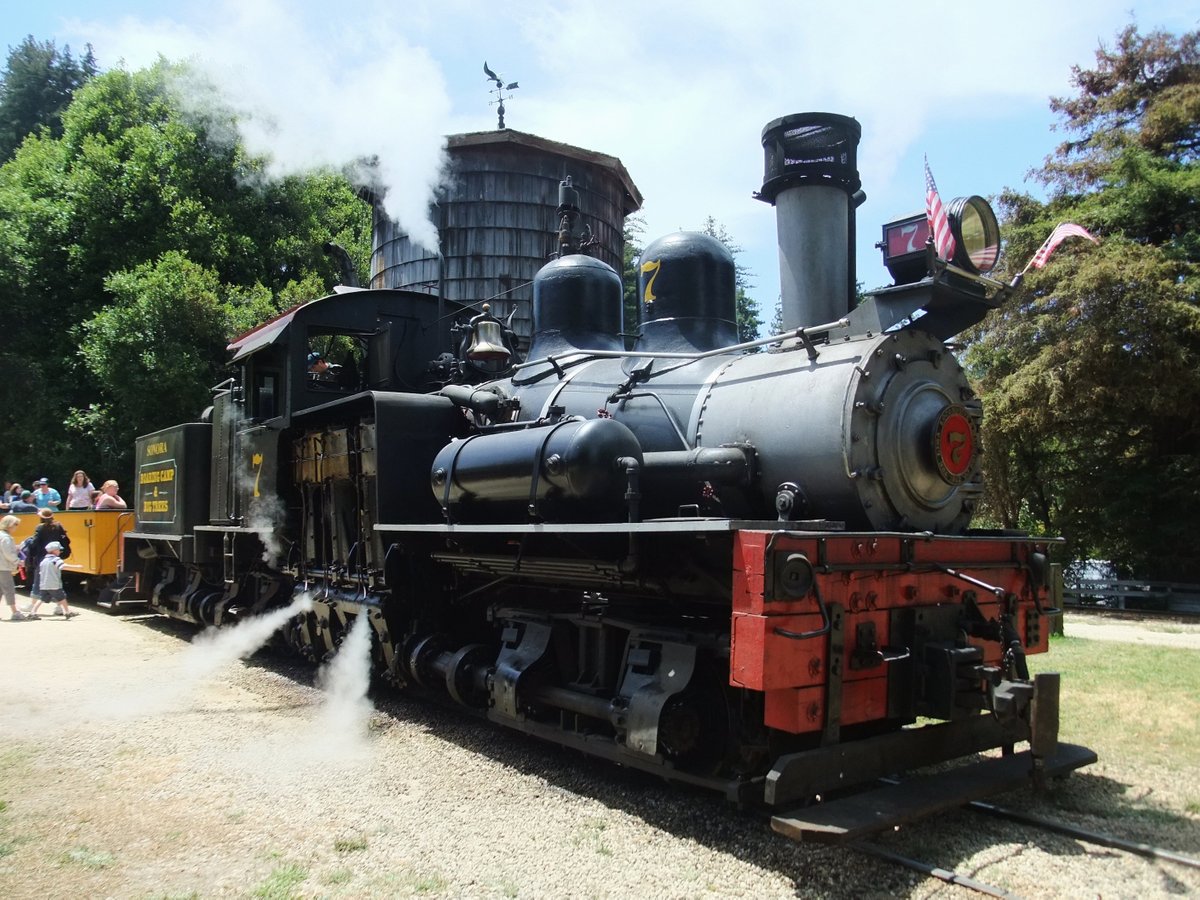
x: 50, y: 581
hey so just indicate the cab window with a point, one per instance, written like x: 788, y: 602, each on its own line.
x: 335, y: 361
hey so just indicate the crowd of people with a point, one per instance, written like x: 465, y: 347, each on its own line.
x: 42, y: 557
x: 81, y: 494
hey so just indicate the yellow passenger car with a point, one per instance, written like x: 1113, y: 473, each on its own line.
x: 95, y: 540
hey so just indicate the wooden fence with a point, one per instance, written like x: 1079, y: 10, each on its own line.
x: 1154, y: 596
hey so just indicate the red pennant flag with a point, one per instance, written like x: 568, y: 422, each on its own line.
x: 1057, y: 236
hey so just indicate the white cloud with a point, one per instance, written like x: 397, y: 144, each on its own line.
x: 678, y: 90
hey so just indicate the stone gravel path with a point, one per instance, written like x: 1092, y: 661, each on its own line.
x: 122, y: 775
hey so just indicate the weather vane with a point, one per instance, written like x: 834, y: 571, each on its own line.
x: 499, y: 90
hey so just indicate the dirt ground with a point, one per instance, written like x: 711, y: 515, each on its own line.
x: 1155, y: 632
x: 131, y: 767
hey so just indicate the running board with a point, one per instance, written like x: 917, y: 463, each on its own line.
x: 853, y: 817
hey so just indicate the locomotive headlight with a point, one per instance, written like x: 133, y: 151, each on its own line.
x: 976, y: 240
x: 976, y: 234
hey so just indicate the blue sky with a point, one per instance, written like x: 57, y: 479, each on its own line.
x: 678, y: 91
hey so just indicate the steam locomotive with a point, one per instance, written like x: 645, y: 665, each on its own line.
x: 745, y: 566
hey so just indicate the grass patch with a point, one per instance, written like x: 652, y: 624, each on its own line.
x: 19, y: 757
x: 409, y: 882
x: 3, y: 806
x: 591, y: 834
x: 89, y: 859
x: 429, y: 884
x: 338, y: 876
x: 350, y: 845
x: 279, y: 884
x: 1128, y: 701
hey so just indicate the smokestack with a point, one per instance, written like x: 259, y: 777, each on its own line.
x: 811, y: 179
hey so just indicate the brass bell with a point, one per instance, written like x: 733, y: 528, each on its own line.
x: 487, y: 339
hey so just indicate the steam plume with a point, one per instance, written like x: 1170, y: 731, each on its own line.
x: 313, y: 94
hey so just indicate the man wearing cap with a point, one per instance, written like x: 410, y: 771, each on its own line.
x: 320, y: 369
x: 317, y: 366
x: 46, y: 497
x: 23, y: 504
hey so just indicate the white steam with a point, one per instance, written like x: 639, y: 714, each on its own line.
x: 215, y: 648
x: 265, y: 510
x: 346, y: 709
x: 186, y: 675
x: 333, y: 737
x: 329, y: 93
x: 332, y: 733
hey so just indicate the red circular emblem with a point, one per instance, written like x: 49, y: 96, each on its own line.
x: 954, y: 442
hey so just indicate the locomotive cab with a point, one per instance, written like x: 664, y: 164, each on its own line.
x: 289, y: 462
x: 349, y: 342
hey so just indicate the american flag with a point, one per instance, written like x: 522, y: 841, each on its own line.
x: 1060, y: 233
x: 939, y: 222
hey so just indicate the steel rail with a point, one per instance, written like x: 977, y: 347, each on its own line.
x: 933, y: 871
x: 1091, y: 837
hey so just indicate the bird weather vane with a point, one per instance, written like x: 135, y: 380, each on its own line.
x: 499, y: 90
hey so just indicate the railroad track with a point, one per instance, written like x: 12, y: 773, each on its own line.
x: 1091, y: 837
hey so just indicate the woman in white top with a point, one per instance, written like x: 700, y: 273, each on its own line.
x: 79, y: 494
x: 8, y: 565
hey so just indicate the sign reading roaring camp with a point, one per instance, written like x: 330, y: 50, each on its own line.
x: 156, y: 478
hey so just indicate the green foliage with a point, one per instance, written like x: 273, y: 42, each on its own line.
x: 35, y: 88
x: 133, y: 245
x: 281, y: 884
x: 1144, y: 93
x: 157, y: 348
x: 89, y: 859
x: 1091, y: 374
x: 634, y: 234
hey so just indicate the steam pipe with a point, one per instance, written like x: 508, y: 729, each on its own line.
x: 484, y: 402
x: 790, y: 334
x: 338, y: 252
x: 724, y: 465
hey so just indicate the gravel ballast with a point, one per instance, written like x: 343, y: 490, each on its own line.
x: 127, y: 770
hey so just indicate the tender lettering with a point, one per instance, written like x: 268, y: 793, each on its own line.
x: 156, y: 506
x: 157, y: 476
x: 156, y: 449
